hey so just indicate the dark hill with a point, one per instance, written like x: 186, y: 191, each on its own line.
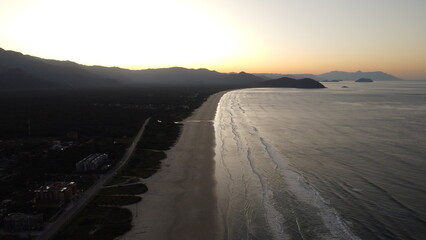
x: 244, y: 77
x: 286, y: 82
x: 73, y: 75
x: 17, y: 79
x: 176, y: 76
x: 63, y: 73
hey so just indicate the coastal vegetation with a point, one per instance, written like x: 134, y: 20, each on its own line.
x: 144, y: 163
x: 95, y: 222
x: 43, y: 134
x: 160, y: 135
x: 130, y: 189
x: 111, y: 200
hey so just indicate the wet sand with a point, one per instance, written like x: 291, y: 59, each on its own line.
x: 181, y: 201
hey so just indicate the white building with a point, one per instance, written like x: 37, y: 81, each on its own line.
x: 92, y: 162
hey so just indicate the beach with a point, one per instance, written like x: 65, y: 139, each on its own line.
x: 181, y: 201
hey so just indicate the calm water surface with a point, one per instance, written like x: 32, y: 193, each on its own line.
x: 335, y: 163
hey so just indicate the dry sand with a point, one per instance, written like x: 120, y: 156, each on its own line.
x: 181, y: 202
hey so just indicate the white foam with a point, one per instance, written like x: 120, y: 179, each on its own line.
x: 307, y: 193
x: 230, y: 119
x: 227, y: 116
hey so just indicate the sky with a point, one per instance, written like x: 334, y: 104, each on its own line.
x: 256, y: 36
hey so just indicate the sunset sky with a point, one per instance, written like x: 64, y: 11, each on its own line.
x: 275, y: 36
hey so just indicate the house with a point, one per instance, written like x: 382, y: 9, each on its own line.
x: 55, y: 192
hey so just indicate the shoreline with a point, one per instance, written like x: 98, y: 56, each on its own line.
x: 181, y: 202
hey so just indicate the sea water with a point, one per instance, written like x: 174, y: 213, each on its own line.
x: 336, y: 163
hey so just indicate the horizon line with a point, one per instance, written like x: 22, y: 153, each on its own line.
x: 134, y: 68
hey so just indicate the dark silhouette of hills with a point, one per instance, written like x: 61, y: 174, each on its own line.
x: 270, y: 76
x: 73, y: 75
x: 64, y: 73
x: 18, y: 71
x: 175, y: 76
x: 286, y: 82
x: 352, y: 76
x: 336, y: 75
x: 17, y: 79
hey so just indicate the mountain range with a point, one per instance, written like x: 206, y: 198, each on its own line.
x: 24, y: 72
x: 336, y: 75
x: 30, y: 72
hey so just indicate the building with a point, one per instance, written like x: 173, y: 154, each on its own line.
x: 55, y: 192
x: 15, y: 222
x: 92, y: 162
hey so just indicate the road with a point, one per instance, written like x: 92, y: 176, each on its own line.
x: 74, y: 207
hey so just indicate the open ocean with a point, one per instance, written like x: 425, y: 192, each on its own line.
x: 335, y: 163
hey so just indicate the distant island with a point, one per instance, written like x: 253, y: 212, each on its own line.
x: 364, y: 80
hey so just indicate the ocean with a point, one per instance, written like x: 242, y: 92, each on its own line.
x: 336, y: 163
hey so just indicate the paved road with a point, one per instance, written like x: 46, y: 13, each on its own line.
x: 74, y: 207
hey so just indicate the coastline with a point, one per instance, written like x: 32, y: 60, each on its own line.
x: 181, y: 201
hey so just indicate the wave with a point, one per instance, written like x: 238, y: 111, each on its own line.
x: 308, y: 193
x: 231, y: 137
x: 326, y: 169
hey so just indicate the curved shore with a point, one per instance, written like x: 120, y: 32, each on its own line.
x: 181, y: 201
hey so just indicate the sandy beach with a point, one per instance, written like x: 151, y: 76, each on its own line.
x: 181, y: 201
